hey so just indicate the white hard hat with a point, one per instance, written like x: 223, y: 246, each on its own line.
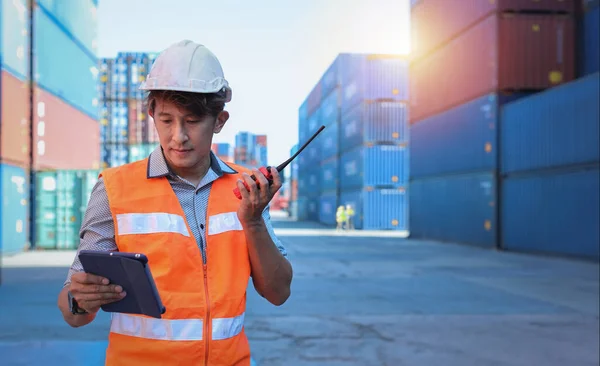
x: 188, y: 67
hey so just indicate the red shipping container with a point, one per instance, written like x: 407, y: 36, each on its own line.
x: 261, y: 140
x: 14, y: 127
x: 502, y: 53
x: 138, y: 122
x: 435, y: 22
x: 65, y: 138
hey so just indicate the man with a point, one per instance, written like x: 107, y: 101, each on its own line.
x: 349, y: 217
x: 178, y: 207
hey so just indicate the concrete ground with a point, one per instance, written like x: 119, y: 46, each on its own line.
x: 357, y: 300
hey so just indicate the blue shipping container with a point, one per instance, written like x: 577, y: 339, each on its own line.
x: 556, y: 213
x: 302, y: 122
x: 309, y: 183
x: 118, y: 123
x: 114, y: 155
x: 378, y: 122
x: 554, y: 128
x: 330, y: 175
x: 223, y: 149
x: 14, y: 209
x: 590, y: 42
x: 328, y: 203
x: 71, y: 73
x: 313, y: 209
x: 14, y: 26
x: 372, y: 77
x: 78, y: 18
x: 331, y: 78
x: 460, y: 140
x: 372, y: 166
x: 329, y: 141
x: 330, y: 109
x: 459, y: 208
x: 302, y: 208
x: 377, y: 209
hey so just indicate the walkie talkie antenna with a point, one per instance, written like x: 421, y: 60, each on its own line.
x: 285, y: 163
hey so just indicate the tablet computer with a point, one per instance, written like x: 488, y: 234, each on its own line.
x: 130, y: 271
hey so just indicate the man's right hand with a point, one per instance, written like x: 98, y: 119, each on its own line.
x: 91, y: 291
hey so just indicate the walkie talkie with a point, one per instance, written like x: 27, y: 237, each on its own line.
x: 267, y: 170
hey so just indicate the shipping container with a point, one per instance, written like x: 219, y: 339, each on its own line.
x: 138, y: 120
x: 556, y: 212
x: 589, y: 40
x: 14, y: 123
x: 301, y: 208
x: 260, y: 155
x: 373, y: 77
x: 455, y: 208
x: 64, y: 137
x: 588, y: 5
x: 78, y: 18
x: 435, y: 22
x: 374, y: 122
x: 329, y: 113
x: 114, y: 155
x: 329, y: 138
x: 555, y: 128
x: 261, y: 140
x: 328, y: 203
x: 377, y: 209
x: 330, y: 175
x: 303, y: 121
x: 462, y: 139
x: 221, y: 149
x: 313, y: 101
x: 72, y: 73
x: 313, y: 209
x: 14, y: 41
x: 118, y: 123
x: 140, y: 151
x: 330, y: 79
x: 14, y: 209
x: 374, y: 166
x: 309, y: 183
x: 501, y: 53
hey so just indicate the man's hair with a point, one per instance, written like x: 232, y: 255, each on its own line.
x: 199, y: 104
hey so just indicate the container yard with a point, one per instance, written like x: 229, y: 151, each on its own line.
x: 456, y: 181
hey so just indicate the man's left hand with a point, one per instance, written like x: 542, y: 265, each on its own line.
x: 255, y: 200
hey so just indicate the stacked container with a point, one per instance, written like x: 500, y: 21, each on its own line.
x: 470, y: 58
x: 223, y: 150
x: 250, y: 150
x: 550, y: 170
x: 14, y: 126
x: 361, y: 157
x: 127, y: 132
x: 589, y: 37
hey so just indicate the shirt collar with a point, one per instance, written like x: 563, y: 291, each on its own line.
x: 158, y: 167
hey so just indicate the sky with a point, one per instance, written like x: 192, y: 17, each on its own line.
x: 273, y: 52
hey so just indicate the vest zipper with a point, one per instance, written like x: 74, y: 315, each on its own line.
x: 207, y: 321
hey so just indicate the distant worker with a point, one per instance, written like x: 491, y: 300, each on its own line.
x: 340, y: 218
x: 177, y: 207
x: 349, y: 217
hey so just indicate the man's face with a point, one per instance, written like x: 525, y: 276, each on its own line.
x: 185, y: 138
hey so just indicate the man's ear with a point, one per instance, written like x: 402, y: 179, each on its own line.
x: 221, y: 120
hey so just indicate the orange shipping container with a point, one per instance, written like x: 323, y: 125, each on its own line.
x: 65, y: 138
x: 14, y: 127
x: 261, y: 140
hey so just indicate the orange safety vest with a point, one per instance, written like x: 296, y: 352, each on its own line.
x: 205, y: 304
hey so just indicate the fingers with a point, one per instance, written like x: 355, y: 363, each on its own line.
x: 263, y: 184
x: 94, y: 306
x: 88, y: 278
x: 98, y: 296
x: 91, y: 289
x: 276, y: 180
x: 243, y: 190
x: 251, y: 184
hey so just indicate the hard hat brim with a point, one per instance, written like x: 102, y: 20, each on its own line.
x: 194, y: 86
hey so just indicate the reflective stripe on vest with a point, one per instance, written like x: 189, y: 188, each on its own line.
x: 174, y: 329
x: 161, y: 222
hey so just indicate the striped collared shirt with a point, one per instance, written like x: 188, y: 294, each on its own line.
x: 98, y: 231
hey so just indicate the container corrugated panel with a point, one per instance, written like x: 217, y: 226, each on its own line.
x: 328, y: 203
x: 118, y: 79
x: 79, y: 19
x: 223, y: 149
x: 140, y: 151
x: 138, y: 120
x: 14, y: 127
x: 104, y: 114
x: 261, y: 140
x: 313, y: 101
x: 435, y: 22
x: 330, y: 175
x: 302, y: 208
x: 118, y: 122
x: 329, y: 141
x: 331, y: 78
x: 313, y: 208
x: 554, y: 128
x: 105, y: 69
x: 14, y: 208
x: 14, y: 25
x: 373, y: 77
x: 60, y: 130
x: 590, y: 39
x: 309, y: 183
x: 457, y: 208
x: 372, y: 166
x: 460, y: 140
x: 302, y: 121
x: 71, y: 73
x: 552, y: 213
x: 260, y: 155
x: 508, y: 52
x: 330, y: 109
x: 114, y: 155
x: 378, y: 209
x: 378, y: 122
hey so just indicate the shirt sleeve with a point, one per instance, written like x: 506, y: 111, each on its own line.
x: 267, y: 218
x: 97, y: 230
